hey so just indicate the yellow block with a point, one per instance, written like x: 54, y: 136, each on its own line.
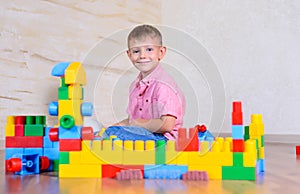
x: 256, y: 118
x: 210, y: 158
x: 204, y: 147
x: 10, y: 120
x: 256, y: 129
x: 214, y: 172
x: 262, y: 153
x: 72, y: 108
x: 137, y: 156
x: 171, y: 153
x: 88, y: 156
x: 10, y: 130
x: 75, y: 92
x: 79, y: 171
x: 250, y: 154
x: 74, y: 157
x: 75, y: 74
x: 110, y: 152
x: 221, y: 142
x: 183, y: 158
x: 216, y: 146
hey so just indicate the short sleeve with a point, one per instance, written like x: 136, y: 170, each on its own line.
x: 169, y: 102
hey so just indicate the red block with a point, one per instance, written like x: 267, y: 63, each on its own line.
x: 297, y: 150
x: 110, y: 171
x: 237, y: 118
x: 237, y: 114
x: 19, y: 130
x: 237, y: 145
x: 185, y: 143
x: 20, y: 120
x: 87, y: 133
x: 69, y: 144
x: 237, y: 106
x: 24, y: 142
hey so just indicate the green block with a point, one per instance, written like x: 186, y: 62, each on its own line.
x: 63, y: 83
x: 160, y: 152
x: 40, y: 120
x: 33, y: 130
x: 238, y: 173
x: 238, y: 159
x: 55, y: 165
x: 262, y: 141
x: 64, y: 158
x: 63, y: 93
x: 30, y: 120
x: 246, y: 133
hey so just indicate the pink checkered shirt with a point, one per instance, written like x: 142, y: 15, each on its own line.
x: 154, y: 96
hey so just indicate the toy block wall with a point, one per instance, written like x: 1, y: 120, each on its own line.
x: 74, y: 151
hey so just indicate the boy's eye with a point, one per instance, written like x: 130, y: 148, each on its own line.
x: 135, y: 51
x: 149, y: 49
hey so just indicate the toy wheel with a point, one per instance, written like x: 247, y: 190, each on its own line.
x: 53, y: 134
x: 14, y: 165
x: 44, y: 163
x: 67, y: 121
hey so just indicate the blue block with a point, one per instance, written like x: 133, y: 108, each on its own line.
x: 86, y: 109
x: 237, y: 131
x: 32, y: 151
x: 30, y: 164
x: 260, y: 166
x: 164, y: 171
x: 55, y: 144
x: 205, y: 136
x: 47, y: 129
x: 10, y: 152
x: 59, y: 69
x: 51, y: 153
x: 72, y: 133
x: 53, y: 108
x: 47, y: 142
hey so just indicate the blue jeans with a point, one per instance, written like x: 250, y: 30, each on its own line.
x: 132, y: 133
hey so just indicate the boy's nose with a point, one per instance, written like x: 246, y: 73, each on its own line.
x: 142, y: 54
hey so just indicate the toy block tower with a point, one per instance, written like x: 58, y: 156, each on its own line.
x: 70, y: 110
x: 256, y: 132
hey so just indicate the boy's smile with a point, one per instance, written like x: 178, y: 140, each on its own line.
x: 145, y: 54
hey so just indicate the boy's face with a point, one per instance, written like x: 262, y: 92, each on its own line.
x: 145, y: 54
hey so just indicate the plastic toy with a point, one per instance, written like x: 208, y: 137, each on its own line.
x: 75, y: 152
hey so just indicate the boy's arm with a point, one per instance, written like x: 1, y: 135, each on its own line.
x: 124, y: 122
x: 161, y: 125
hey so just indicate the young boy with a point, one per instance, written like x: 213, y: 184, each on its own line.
x: 156, y: 104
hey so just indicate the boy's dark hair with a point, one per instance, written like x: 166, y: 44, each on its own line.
x: 143, y: 31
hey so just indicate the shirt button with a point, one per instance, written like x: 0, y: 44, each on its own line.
x: 141, y: 109
x: 147, y: 100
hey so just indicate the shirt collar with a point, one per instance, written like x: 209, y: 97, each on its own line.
x: 150, y: 78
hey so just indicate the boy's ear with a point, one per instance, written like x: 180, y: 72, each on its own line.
x: 162, y: 52
x: 128, y: 53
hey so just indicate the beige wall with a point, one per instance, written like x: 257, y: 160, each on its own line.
x: 35, y: 35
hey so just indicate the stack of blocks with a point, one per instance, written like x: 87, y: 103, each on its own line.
x: 28, y: 148
x: 80, y: 154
